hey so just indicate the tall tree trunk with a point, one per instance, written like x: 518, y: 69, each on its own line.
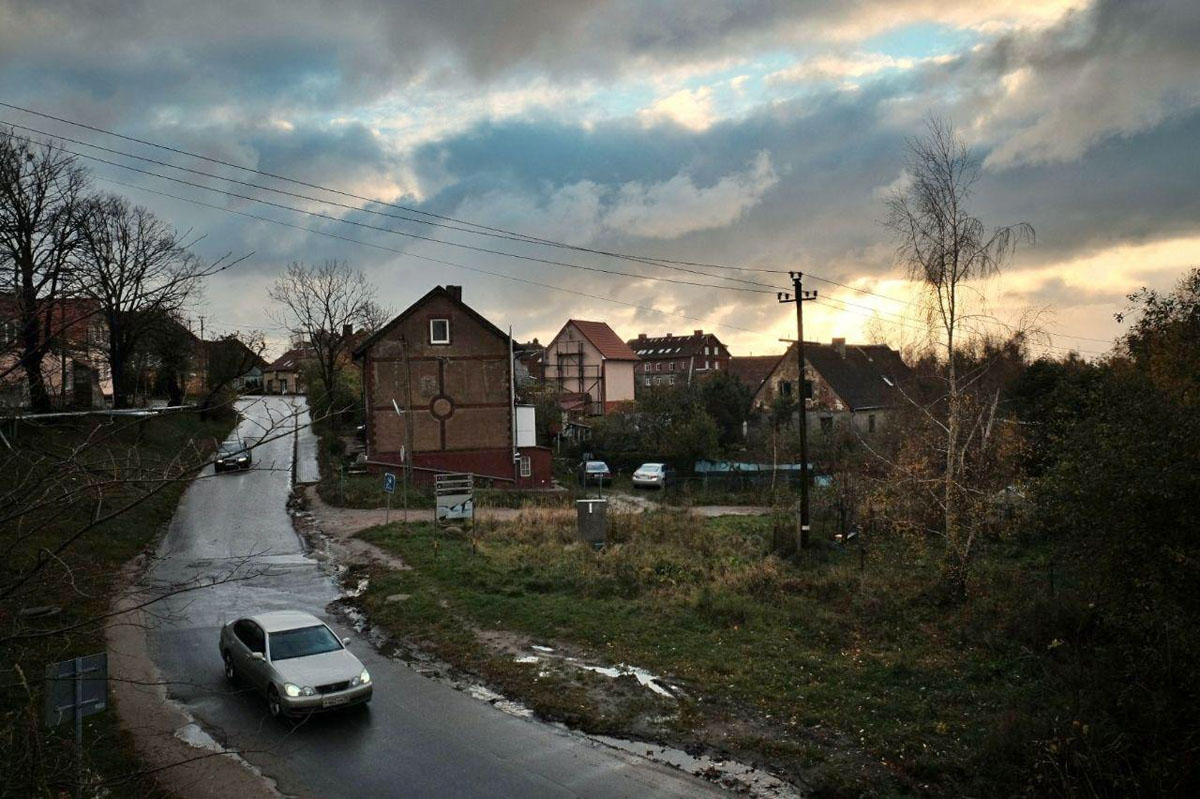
x: 31, y: 361
x: 956, y: 565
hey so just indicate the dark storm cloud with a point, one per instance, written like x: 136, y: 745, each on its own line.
x: 1088, y: 128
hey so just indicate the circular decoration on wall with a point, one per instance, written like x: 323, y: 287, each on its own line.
x: 441, y: 406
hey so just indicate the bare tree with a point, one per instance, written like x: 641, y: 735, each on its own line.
x: 943, y: 246
x: 226, y: 360
x: 42, y: 189
x: 138, y: 271
x: 322, y: 304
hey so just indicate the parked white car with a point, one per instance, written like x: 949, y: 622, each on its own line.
x: 295, y: 661
x: 653, y: 475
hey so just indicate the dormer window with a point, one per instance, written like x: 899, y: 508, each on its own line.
x: 439, y: 331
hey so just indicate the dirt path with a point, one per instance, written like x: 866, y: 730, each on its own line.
x: 344, y: 523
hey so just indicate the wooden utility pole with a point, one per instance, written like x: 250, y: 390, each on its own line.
x: 800, y: 296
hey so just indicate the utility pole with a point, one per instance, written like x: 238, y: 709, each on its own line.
x: 203, y: 360
x: 800, y: 296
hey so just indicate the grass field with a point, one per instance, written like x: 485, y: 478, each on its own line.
x: 80, y: 583
x: 836, y: 666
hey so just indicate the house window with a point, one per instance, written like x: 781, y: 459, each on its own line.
x: 716, y: 364
x: 871, y: 423
x: 671, y: 366
x: 827, y: 424
x: 658, y: 366
x: 439, y: 331
x: 526, y: 466
x: 785, y: 388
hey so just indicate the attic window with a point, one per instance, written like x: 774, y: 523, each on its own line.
x: 888, y: 380
x: 439, y: 331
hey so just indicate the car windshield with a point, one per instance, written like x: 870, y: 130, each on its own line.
x: 597, y: 466
x: 651, y: 467
x: 229, y: 450
x: 302, y: 642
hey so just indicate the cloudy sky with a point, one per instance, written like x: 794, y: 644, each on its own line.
x: 760, y: 134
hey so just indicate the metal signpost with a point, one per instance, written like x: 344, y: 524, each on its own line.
x: 389, y: 488
x: 455, y: 497
x: 76, y: 688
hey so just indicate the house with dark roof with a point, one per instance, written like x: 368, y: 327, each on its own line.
x: 753, y: 370
x: 665, y: 360
x: 283, y: 375
x: 855, y: 384
x: 592, y: 366
x: 437, y: 385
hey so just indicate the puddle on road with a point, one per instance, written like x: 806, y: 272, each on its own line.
x: 485, y: 694
x: 193, y: 735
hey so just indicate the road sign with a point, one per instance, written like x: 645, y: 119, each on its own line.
x: 455, y: 497
x: 76, y: 686
x: 389, y: 483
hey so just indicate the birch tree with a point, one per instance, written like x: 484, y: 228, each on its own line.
x: 942, y: 246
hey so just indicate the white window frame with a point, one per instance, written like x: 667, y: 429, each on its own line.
x: 432, y: 338
x: 526, y: 466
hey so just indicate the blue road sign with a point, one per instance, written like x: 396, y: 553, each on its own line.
x: 389, y: 483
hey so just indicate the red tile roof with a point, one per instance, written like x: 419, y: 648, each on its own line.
x: 604, y: 339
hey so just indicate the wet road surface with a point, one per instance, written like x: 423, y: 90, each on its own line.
x: 418, y: 738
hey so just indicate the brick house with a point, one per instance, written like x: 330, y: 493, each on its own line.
x: 74, y: 369
x: 665, y: 360
x: 591, y: 366
x: 856, y: 384
x: 440, y: 373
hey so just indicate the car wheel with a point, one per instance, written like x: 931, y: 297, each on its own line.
x: 274, y: 704
x: 230, y: 671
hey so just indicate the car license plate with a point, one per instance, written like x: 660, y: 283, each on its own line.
x: 334, y: 701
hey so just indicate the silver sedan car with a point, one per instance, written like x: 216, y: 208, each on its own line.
x: 296, y: 661
x: 652, y: 475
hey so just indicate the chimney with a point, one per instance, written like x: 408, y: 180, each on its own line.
x: 697, y: 332
x: 670, y: 335
x: 347, y: 331
x: 641, y: 336
x: 839, y: 344
x: 455, y: 292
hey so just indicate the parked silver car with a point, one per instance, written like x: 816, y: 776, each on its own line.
x: 296, y: 661
x: 653, y: 475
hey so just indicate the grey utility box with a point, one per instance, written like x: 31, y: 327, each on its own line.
x: 593, y: 521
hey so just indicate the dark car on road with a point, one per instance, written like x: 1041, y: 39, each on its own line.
x: 594, y: 473
x: 232, y: 456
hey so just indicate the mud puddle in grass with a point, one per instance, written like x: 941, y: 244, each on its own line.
x: 737, y: 777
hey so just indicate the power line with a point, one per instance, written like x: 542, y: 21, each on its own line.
x: 478, y: 228
x: 349, y: 207
x: 417, y: 236
x: 903, y: 321
x: 472, y: 227
x: 430, y: 259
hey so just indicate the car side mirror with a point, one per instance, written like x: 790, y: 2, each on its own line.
x: 346, y: 641
x: 257, y: 656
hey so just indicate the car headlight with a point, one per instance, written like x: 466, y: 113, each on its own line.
x: 362, y: 679
x: 242, y: 459
x: 308, y: 691
x: 291, y: 690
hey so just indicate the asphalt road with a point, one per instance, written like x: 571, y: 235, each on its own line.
x: 418, y: 737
